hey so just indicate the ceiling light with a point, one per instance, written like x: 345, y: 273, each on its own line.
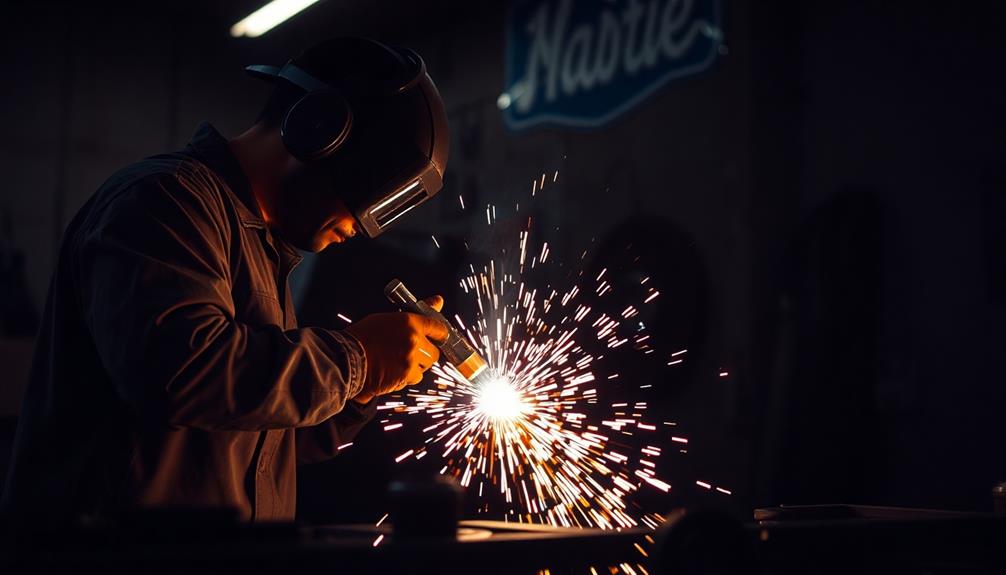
x: 268, y: 17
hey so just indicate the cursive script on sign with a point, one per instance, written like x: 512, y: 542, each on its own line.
x: 582, y: 63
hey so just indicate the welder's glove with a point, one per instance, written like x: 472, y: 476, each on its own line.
x: 399, y: 348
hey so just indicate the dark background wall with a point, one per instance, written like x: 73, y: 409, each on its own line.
x: 826, y: 206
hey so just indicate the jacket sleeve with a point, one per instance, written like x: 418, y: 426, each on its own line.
x: 155, y: 288
x: 320, y: 442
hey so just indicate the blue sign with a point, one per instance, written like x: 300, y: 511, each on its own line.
x: 583, y: 63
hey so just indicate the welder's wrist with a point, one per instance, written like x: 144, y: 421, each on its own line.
x: 357, y: 365
x: 358, y: 410
x: 360, y: 405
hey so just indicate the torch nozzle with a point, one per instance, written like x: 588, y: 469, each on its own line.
x: 483, y: 377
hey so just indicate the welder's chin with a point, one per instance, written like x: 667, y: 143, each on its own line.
x: 302, y: 234
x: 319, y: 243
x: 328, y: 237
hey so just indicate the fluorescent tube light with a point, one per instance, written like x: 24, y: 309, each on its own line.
x: 268, y: 17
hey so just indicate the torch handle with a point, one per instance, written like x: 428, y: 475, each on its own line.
x: 399, y: 294
x: 455, y: 348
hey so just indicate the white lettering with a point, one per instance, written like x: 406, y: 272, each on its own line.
x: 606, y: 56
x: 592, y: 54
x: 631, y: 18
x: 575, y: 71
x: 672, y: 23
x: 651, y: 42
x: 545, y: 52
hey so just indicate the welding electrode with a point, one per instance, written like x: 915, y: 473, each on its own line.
x: 455, y: 348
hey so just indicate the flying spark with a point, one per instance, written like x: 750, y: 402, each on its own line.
x: 537, y: 432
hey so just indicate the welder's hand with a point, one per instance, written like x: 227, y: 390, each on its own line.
x: 436, y: 302
x: 399, y: 348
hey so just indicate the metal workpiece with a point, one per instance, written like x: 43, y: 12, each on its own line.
x: 455, y: 348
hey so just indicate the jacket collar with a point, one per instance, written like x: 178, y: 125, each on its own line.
x: 212, y: 149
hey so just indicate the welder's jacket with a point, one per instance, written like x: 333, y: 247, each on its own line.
x: 169, y: 369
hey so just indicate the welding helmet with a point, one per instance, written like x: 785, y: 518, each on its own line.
x: 370, y: 115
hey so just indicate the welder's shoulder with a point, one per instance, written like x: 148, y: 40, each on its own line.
x: 166, y: 187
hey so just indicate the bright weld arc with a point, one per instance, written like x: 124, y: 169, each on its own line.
x: 526, y: 433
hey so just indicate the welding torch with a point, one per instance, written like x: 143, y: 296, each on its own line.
x: 455, y: 348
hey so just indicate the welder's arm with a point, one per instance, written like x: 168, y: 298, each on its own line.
x: 320, y: 442
x: 155, y: 288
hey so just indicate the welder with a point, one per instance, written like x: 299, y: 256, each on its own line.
x: 169, y: 371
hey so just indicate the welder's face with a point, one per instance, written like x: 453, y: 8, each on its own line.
x: 309, y: 214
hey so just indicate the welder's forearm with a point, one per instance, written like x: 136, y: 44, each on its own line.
x: 217, y: 374
x: 263, y: 378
